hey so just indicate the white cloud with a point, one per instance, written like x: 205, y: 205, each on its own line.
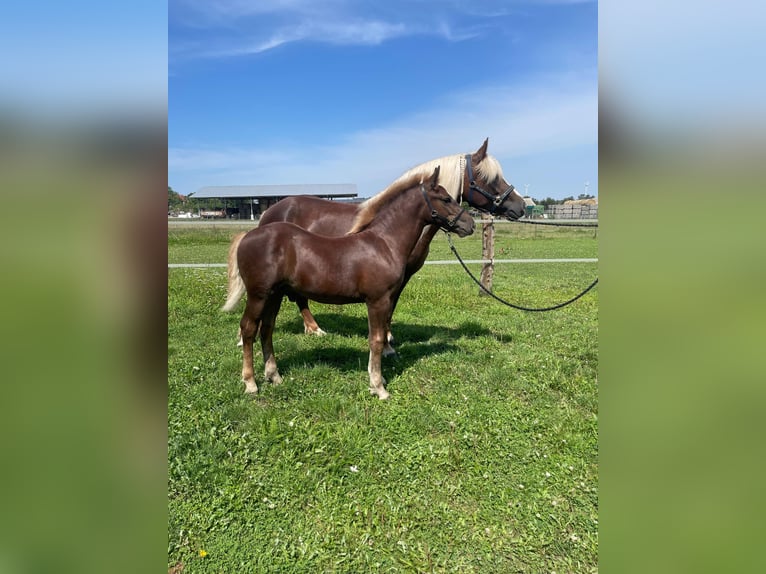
x: 519, y: 121
x: 234, y: 28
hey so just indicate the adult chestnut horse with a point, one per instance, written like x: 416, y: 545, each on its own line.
x: 476, y: 178
x: 367, y: 265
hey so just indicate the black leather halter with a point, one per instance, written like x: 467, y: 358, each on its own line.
x: 444, y: 222
x: 496, y: 200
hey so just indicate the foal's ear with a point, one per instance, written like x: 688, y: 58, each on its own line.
x: 479, y: 156
x: 434, y: 181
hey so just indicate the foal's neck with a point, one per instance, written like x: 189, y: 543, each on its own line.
x: 401, y: 222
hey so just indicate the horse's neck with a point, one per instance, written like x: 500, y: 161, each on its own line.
x: 401, y: 222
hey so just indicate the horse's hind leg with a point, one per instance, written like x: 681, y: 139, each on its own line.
x: 268, y: 321
x: 310, y: 326
x: 248, y: 327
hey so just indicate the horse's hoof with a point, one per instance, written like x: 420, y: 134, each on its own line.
x: 389, y: 351
x: 276, y: 379
x: 318, y: 332
x: 251, y: 388
x: 381, y: 393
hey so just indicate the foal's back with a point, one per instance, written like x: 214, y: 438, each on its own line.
x: 282, y: 256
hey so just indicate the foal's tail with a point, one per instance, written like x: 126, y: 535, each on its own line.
x: 236, y: 285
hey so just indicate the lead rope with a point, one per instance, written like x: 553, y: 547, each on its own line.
x: 503, y: 301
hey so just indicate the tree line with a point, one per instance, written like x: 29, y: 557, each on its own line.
x: 177, y: 202
x: 550, y: 201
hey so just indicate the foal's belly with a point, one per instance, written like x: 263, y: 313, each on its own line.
x: 330, y: 298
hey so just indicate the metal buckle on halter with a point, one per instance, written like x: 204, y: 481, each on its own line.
x: 497, y: 200
x: 501, y: 198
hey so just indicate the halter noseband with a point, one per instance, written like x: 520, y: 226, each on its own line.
x: 497, y: 200
x: 443, y: 222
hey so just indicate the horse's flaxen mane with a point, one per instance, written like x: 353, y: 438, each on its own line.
x: 452, y: 169
x: 370, y: 208
x: 450, y: 177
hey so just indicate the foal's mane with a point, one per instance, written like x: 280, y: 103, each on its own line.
x: 370, y: 208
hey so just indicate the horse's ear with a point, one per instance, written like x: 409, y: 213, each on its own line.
x: 435, y: 177
x: 479, y: 156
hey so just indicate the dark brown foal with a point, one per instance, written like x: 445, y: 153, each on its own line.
x: 367, y: 265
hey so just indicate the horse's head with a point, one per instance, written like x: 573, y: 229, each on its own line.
x: 445, y: 211
x: 485, y: 188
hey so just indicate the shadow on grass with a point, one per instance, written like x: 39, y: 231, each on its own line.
x: 413, y: 342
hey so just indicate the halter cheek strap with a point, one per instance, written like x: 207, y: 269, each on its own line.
x: 437, y: 217
x: 497, y: 200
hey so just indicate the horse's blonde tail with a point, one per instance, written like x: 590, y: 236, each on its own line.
x: 236, y: 285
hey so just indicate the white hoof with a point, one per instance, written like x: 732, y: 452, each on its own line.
x: 251, y: 388
x: 276, y: 379
x: 380, y: 392
x: 318, y: 332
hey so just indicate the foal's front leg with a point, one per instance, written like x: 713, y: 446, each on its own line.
x: 248, y: 326
x: 270, y: 312
x: 376, y: 318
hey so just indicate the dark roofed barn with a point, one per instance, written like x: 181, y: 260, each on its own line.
x: 249, y: 201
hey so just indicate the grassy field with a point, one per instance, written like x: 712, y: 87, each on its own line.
x: 485, y: 458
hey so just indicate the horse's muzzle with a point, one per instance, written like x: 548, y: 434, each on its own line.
x: 464, y: 229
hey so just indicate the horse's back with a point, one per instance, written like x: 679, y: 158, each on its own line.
x: 313, y: 214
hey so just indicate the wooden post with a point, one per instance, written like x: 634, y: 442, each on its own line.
x: 487, y: 252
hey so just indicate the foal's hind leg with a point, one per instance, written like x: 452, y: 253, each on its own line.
x: 267, y: 329
x: 248, y: 327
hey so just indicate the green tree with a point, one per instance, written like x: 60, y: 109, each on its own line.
x: 175, y: 203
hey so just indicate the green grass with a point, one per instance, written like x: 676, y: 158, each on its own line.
x: 483, y: 460
x: 201, y: 243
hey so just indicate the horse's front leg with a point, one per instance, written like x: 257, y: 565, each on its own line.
x: 310, y: 325
x: 415, y: 262
x: 388, y: 347
x: 377, y: 315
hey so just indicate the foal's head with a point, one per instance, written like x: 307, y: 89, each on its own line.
x: 445, y: 211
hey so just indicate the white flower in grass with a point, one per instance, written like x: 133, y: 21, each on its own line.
x: 354, y: 468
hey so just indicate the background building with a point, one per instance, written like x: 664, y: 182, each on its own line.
x: 249, y: 201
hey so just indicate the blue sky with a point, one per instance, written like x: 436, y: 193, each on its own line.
x: 356, y: 91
